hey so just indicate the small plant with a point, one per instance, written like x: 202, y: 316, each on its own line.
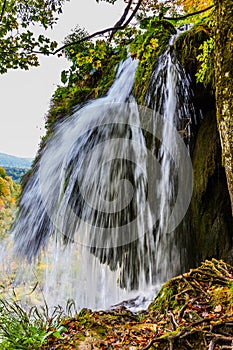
x: 86, y: 62
x: 205, y: 58
x: 21, y: 329
x: 144, y: 50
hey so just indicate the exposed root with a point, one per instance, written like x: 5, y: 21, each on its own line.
x: 191, y: 311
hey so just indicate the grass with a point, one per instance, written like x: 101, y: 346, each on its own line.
x: 195, y: 307
x: 21, y: 329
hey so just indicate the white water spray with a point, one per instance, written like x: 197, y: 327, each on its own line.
x: 115, y: 203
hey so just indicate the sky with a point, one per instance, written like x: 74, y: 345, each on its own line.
x: 25, y: 95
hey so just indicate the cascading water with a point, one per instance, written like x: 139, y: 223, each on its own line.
x: 170, y: 96
x: 99, y: 188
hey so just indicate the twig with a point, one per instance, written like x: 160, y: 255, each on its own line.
x: 224, y: 263
x: 189, y: 283
x: 190, y: 345
x: 184, y: 307
x: 182, y: 334
x: 148, y: 346
x: 182, y: 292
x: 205, y: 341
x: 195, y: 282
x: 173, y: 321
x: 186, y: 126
x: 189, y: 14
x: 193, y: 313
x: 122, y: 19
x: 3, y: 10
x: 182, y: 310
x: 207, y: 320
x: 212, y: 268
x: 222, y: 337
x: 212, y: 344
x: 170, y: 344
x: 115, y: 28
x: 33, y: 289
x: 225, y: 333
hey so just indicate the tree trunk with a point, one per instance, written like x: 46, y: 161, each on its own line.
x: 224, y: 84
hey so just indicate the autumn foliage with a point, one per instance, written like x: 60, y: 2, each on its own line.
x: 9, y: 192
x: 195, y: 5
x: 175, y: 7
x: 191, y: 311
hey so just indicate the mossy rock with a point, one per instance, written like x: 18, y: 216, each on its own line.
x: 160, y: 30
x: 210, y: 206
x: 187, y: 47
x: 188, y: 312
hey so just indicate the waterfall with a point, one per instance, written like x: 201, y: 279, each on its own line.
x: 102, y: 203
x: 170, y: 96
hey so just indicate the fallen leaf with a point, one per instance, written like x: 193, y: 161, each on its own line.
x: 218, y: 308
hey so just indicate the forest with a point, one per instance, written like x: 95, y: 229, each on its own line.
x: 15, y: 173
x: 193, y: 306
x: 9, y: 193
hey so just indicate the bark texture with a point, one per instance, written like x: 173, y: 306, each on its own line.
x: 224, y: 84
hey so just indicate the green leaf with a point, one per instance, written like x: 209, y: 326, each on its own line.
x: 57, y: 335
x: 62, y: 329
x: 64, y: 77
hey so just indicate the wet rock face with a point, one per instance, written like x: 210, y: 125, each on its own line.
x: 224, y: 85
x: 211, y: 209
x: 210, y: 221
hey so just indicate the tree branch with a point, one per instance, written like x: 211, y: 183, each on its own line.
x: 122, y: 19
x: 120, y: 25
x: 133, y: 13
x: 111, y: 29
x: 189, y: 14
x: 190, y: 329
x: 3, y: 10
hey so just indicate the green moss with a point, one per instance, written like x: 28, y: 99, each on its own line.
x: 86, y: 319
x: 165, y: 299
x: 96, y: 84
x: 212, y: 222
x: 188, y: 48
x: 161, y: 31
x: 93, y: 85
x: 205, y: 155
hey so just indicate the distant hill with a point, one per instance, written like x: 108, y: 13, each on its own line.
x: 16, y: 173
x: 9, y: 161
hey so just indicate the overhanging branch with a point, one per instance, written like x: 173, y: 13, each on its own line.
x: 123, y: 17
x: 189, y: 14
x: 3, y: 10
x: 120, y: 25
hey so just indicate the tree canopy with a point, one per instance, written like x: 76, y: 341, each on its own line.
x: 18, y: 43
x: 20, y: 46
